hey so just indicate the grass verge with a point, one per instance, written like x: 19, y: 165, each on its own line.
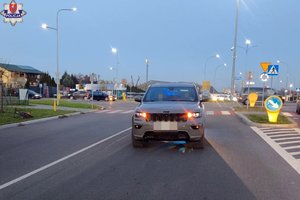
x: 64, y: 103
x: 263, y: 119
x: 8, y: 116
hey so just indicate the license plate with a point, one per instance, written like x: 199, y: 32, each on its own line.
x: 165, y: 126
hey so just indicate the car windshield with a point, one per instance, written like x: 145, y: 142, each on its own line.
x: 171, y: 94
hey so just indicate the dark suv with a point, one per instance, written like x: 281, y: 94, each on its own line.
x: 170, y: 111
x: 259, y: 91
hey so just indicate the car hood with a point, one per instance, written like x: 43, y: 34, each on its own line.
x: 170, y: 107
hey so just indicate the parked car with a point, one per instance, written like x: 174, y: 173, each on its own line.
x: 79, y: 95
x: 33, y: 95
x: 169, y: 112
x: 243, y: 98
x: 99, y: 95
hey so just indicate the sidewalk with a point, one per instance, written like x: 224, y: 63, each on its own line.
x: 47, y: 107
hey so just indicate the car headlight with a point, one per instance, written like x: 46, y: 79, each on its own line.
x: 193, y: 115
x: 141, y: 115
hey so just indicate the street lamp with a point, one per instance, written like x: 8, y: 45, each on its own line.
x: 147, y: 68
x: 214, y: 56
x: 115, y: 52
x: 291, y: 95
x: 114, y: 79
x: 224, y: 64
x: 287, y: 73
x: 45, y: 26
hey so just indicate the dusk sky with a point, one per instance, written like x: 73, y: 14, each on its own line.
x: 177, y: 36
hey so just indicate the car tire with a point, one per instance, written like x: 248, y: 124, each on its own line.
x: 298, y: 111
x: 138, y: 143
x: 199, y: 144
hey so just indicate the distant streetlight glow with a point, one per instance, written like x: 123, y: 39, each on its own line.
x: 248, y: 42
x: 44, y: 26
x: 114, y: 50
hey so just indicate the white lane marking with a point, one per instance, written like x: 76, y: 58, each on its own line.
x: 129, y: 111
x: 296, y: 118
x: 287, y: 114
x: 60, y: 160
x: 210, y: 112
x: 115, y: 111
x: 294, y: 163
x: 225, y: 113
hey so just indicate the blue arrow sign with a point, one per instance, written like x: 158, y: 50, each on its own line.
x: 273, y: 70
x: 273, y: 103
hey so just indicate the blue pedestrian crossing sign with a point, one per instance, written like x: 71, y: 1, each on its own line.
x: 273, y: 70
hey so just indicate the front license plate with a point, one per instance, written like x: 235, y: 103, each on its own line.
x: 165, y: 126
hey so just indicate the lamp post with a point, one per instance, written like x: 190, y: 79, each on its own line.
x: 115, y: 52
x: 232, y: 89
x: 224, y: 64
x: 287, y: 72
x: 291, y: 96
x: 114, y: 79
x: 214, y: 56
x: 45, y: 26
x: 147, y: 68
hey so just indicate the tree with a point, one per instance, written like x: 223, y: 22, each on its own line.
x: 47, y: 79
x: 67, y: 81
x: 75, y: 80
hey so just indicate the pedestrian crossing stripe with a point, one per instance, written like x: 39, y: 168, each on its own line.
x: 283, y: 145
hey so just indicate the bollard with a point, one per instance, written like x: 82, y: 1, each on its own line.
x: 54, y: 105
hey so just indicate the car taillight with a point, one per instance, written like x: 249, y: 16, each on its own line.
x: 193, y: 115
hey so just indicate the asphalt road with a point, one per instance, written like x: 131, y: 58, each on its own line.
x: 90, y: 156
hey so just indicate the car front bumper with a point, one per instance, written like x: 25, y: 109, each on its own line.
x: 191, y: 130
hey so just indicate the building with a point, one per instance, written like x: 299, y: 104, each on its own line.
x: 16, y: 76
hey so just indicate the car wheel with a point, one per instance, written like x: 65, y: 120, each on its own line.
x: 137, y: 143
x: 198, y: 144
x: 298, y: 111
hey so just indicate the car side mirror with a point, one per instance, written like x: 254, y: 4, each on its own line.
x: 138, y: 99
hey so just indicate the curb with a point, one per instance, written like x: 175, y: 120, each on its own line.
x: 250, y: 123
x: 43, y: 119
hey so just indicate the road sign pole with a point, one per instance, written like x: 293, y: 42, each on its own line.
x: 263, y: 95
x: 272, y: 82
